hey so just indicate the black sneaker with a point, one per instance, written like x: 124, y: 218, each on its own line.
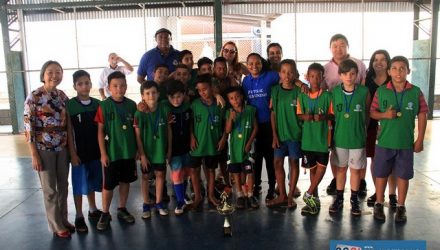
x: 378, y: 212
x: 355, y: 207
x: 241, y: 202
x: 95, y: 215
x: 253, y: 202
x: 337, y: 206
x: 331, y: 189
x: 371, y: 200
x: 362, y: 189
x: 104, y: 222
x: 123, y: 214
x: 80, y: 225
x: 270, y: 194
x: 400, y: 214
x: 393, y: 201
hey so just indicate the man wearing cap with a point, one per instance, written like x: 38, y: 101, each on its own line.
x: 164, y: 53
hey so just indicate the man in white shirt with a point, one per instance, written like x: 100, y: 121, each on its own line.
x: 113, y: 60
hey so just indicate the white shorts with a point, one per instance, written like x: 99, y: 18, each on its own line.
x: 353, y: 158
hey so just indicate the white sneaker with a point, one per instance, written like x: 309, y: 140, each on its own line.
x: 161, y: 209
x: 179, y: 209
x: 146, y: 215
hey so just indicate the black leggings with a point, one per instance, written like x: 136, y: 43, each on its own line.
x: 263, y: 149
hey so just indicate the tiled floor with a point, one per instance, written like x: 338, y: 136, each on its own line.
x: 23, y: 223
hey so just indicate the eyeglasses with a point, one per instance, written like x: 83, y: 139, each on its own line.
x: 229, y: 51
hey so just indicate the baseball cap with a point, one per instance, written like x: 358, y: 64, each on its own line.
x: 162, y: 30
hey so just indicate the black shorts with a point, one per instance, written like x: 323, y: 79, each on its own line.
x: 155, y: 167
x: 311, y: 159
x: 243, y: 167
x: 210, y: 161
x: 223, y: 156
x: 119, y: 171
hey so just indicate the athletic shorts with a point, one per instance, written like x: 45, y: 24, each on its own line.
x: 210, y: 161
x: 311, y: 159
x: 288, y: 148
x: 243, y: 167
x: 401, y: 161
x: 223, y: 156
x: 119, y: 171
x: 353, y: 158
x: 155, y: 167
x: 180, y: 161
x: 87, y: 178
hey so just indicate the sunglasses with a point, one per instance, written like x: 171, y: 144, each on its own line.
x: 229, y: 51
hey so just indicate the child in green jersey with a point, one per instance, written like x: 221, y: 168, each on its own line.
x: 286, y: 131
x: 207, y: 138
x: 85, y: 158
x: 153, y: 135
x: 315, y: 109
x: 242, y: 125
x: 117, y: 144
x: 396, y: 105
x: 351, y: 107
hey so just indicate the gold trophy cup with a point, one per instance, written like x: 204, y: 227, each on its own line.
x: 226, y: 209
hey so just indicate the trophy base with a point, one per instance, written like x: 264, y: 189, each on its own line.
x: 227, y: 231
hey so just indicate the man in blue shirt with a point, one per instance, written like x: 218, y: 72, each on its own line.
x: 164, y: 53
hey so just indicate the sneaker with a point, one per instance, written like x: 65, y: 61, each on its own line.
x: 393, y: 201
x: 104, y: 221
x: 270, y: 194
x: 378, y: 212
x: 309, y: 200
x: 400, y: 214
x: 331, y: 189
x: 188, y: 200
x: 336, y: 206
x: 180, y: 208
x: 160, y: 208
x: 95, y: 215
x: 355, y: 207
x: 146, y: 211
x: 362, y: 188
x: 253, y: 202
x: 123, y: 214
x: 307, y: 210
x: 371, y: 200
x: 80, y: 225
x: 241, y: 202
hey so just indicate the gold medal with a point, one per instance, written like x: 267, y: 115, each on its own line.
x: 346, y: 115
x: 154, y: 137
x: 399, y: 114
x: 124, y: 127
x: 212, y: 127
x: 240, y: 135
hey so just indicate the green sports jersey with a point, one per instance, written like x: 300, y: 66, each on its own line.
x: 315, y: 134
x: 288, y: 126
x: 207, y: 127
x: 398, y: 133
x: 154, y: 133
x: 118, y: 127
x: 350, y: 117
x: 241, y: 132
x: 85, y: 128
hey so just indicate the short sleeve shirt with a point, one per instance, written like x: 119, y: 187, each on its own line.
x: 331, y: 75
x: 103, y: 81
x: 154, y: 57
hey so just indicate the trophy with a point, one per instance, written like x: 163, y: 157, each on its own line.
x: 226, y: 209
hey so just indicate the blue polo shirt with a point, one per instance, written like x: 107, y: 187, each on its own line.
x: 257, y: 91
x: 153, y: 57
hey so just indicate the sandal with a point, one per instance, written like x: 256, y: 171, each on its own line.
x: 62, y: 234
x: 291, y: 204
x: 275, y: 203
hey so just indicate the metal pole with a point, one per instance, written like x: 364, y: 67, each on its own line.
x: 76, y: 37
x: 218, y: 36
x: 433, y: 60
x: 8, y: 65
x: 416, y: 22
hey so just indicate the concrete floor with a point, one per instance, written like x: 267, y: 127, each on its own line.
x: 23, y: 223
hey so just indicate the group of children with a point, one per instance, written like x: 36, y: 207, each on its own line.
x: 183, y: 123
